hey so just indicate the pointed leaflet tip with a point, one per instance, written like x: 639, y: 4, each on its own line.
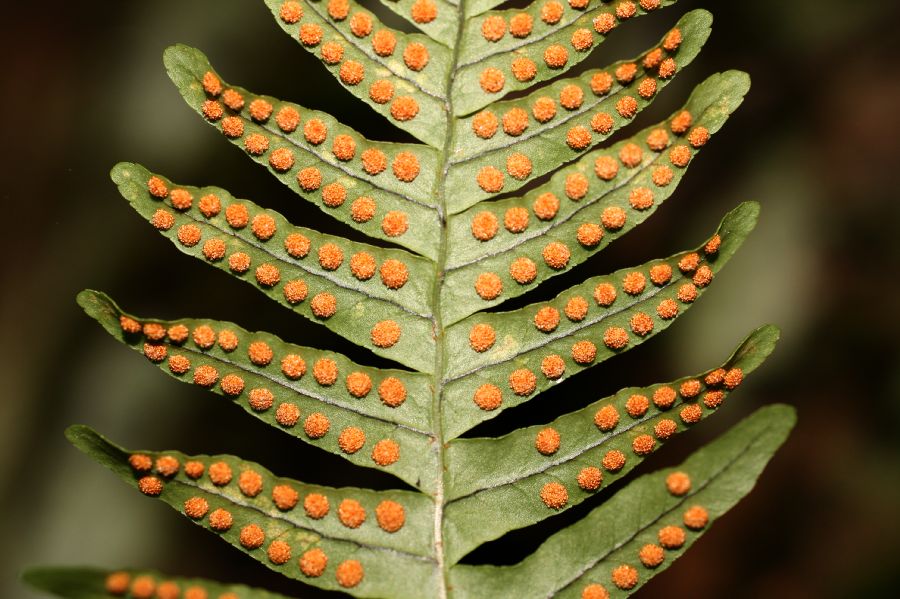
x: 517, y: 468
x: 101, y: 308
x: 66, y: 582
x: 121, y: 172
x: 756, y: 348
x: 96, y: 447
x: 76, y: 433
x: 737, y: 225
x: 721, y: 473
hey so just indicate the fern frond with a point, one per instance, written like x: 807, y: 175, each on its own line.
x: 602, y: 549
x: 435, y: 18
x: 562, y: 36
x: 313, y: 395
x: 359, y: 51
x: 93, y: 583
x: 558, y: 122
x: 328, y: 175
x: 267, y: 520
x: 600, y: 436
x: 548, y: 23
x: 537, y: 346
x: 325, y: 278
x: 472, y: 241
x: 618, y: 188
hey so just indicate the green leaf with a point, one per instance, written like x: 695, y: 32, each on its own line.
x: 469, y: 363
x: 90, y: 583
x: 546, y: 145
x: 710, y: 105
x: 486, y: 475
x: 476, y: 7
x: 480, y: 54
x: 187, y: 68
x: 438, y: 18
x: 586, y: 553
x: 288, y: 520
x: 521, y: 346
x: 358, y: 40
x: 571, y: 19
x: 408, y: 424
x: 360, y: 303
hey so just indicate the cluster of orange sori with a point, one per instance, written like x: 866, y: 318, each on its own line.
x: 523, y: 270
x: 393, y: 273
x: 389, y: 515
x: 555, y: 55
x: 160, y: 339
x: 166, y: 343
x: 652, y: 555
x: 373, y: 161
x: 542, y: 108
x: 546, y: 319
x: 148, y: 586
x: 383, y: 43
x: 627, y: 160
x: 547, y: 442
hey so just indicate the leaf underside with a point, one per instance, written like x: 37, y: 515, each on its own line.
x: 489, y: 95
x: 90, y: 583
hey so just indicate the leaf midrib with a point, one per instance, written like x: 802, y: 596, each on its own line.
x: 439, y: 331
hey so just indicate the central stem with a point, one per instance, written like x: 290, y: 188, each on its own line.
x: 437, y: 322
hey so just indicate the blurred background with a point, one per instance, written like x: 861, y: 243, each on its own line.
x: 816, y: 142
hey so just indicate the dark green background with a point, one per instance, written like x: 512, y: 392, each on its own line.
x: 816, y: 143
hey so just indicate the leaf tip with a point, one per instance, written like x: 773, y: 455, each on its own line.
x: 756, y: 348
x: 172, y: 54
x: 742, y: 220
x: 740, y: 80
x: 122, y: 172
x: 698, y: 16
x: 80, y: 435
x: 93, y: 302
x: 185, y: 66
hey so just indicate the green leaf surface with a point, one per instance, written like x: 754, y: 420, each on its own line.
x: 441, y: 28
x: 542, y: 33
x: 473, y: 8
x: 586, y: 553
x: 521, y: 346
x: 358, y: 43
x: 546, y: 144
x: 486, y: 474
x: 710, y: 105
x: 360, y: 304
x: 187, y: 68
x: 377, y: 550
x: 426, y: 308
x: 467, y: 93
x: 90, y: 583
x: 328, y: 394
